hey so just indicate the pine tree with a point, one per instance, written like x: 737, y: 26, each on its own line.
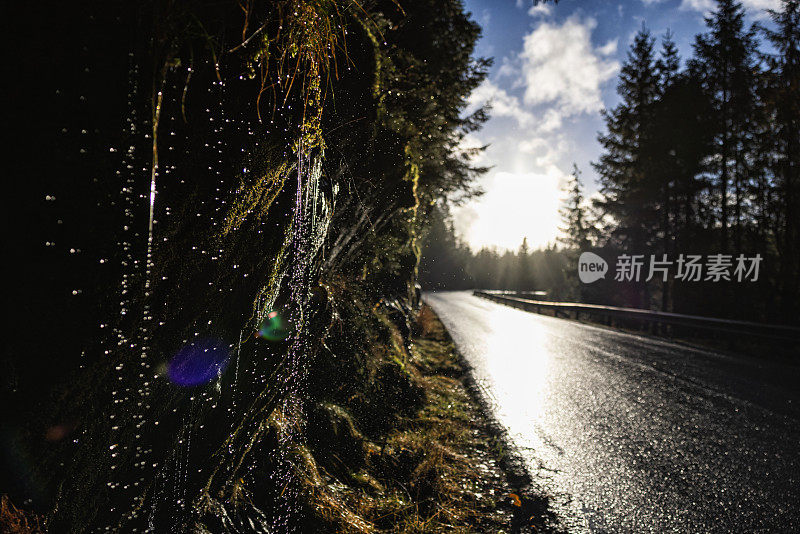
x: 782, y: 103
x: 680, y: 142
x: 724, y: 64
x: 668, y: 64
x: 664, y: 172
x: 626, y: 161
x: 527, y: 281
x: 575, y: 227
x: 626, y: 167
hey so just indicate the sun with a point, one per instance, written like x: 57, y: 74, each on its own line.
x: 515, y: 206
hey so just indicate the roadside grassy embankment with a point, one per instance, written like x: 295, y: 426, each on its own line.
x: 412, y: 449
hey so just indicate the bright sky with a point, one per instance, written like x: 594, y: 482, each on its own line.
x: 555, y: 68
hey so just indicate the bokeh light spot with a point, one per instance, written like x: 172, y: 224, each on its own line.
x: 275, y: 327
x: 58, y: 432
x: 198, y: 362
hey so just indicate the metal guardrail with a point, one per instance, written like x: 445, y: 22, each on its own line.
x: 728, y: 326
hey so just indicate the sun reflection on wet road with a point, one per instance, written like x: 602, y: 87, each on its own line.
x: 635, y: 434
x: 517, y: 388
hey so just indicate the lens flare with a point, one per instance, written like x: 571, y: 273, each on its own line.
x: 59, y: 432
x: 275, y: 327
x: 198, y: 362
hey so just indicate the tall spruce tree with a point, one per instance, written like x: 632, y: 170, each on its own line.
x: 575, y: 229
x: 724, y: 63
x: 782, y: 106
x: 626, y: 166
x: 526, y: 276
x: 669, y: 62
x: 575, y: 232
x: 664, y: 172
x: 680, y: 142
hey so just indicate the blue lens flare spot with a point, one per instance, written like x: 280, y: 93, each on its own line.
x: 275, y: 327
x: 198, y: 362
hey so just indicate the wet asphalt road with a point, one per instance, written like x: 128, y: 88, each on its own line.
x: 634, y: 434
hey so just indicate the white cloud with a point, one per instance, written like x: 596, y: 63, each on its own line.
x: 560, y: 71
x: 610, y: 48
x: 755, y: 8
x: 503, y: 104
x: 509, y: 68
x: 763, y: 4
x: 553, y: 120
x: 561, y: 68
x: 485, y: 18
x: 543, y: 10
x: 698, y: 5
x: 547, y: 150
x: 534, y: 145
x: 536, y: 8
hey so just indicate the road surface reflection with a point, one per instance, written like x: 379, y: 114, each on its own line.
x: 635, y: 434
